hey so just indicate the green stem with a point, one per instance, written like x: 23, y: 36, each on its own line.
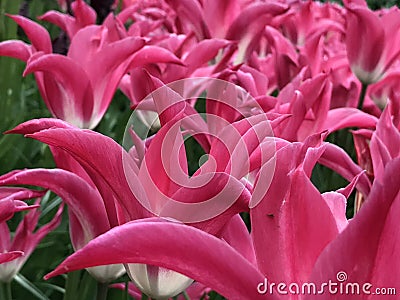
x: 5, y: 291
x: 72, y: 285
x: 126, y: 290
x: 102, y: 290
x: 362, y: 95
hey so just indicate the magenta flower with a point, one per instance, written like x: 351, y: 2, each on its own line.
x: 375, y: 149
x: 308, y: 101
x: 92, y: 211
x: 83, y: 15
x: 75, y: 88
x: 371, y: 41
x: 10, y: 203
x: 87, y: 214
x: 16, y: 248
x: 305, y: 21
x: 148, y: 185
x: 382, y: 92
x: 289, y: 244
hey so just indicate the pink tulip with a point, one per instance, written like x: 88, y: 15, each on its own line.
x: 75, y: 88
x: 375, y: 149
x: 248, y: 34
x: 307, y: 20
x: 308, y: 101
x: 371, y: 41
x: 293, y: 228
x: 87, y: 214
x: 384, y: 145
x: 83, y: 15
x: 92, y: 211
x: 122, y: 199
x: 10, y: 203
x: 381, y: 92
x: 15, y: 249
x: 366, y: 249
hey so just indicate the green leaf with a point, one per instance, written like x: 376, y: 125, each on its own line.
x: 26, y: 284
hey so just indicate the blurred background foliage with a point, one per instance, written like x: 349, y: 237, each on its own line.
x: 20, y: 101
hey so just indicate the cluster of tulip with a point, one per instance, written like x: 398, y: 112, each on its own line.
x: 268, y: 90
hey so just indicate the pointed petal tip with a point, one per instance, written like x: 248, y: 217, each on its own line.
x: 36, y: 125
x: 57, y: 271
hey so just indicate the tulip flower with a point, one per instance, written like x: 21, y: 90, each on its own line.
x: 305, y: 20
x: 375, y: 149
x: 83, y: 15
x: 381, y: 92
x: 308, y: 101
x: 289, y: 244
x: 248, y: 34
x: 75, y: 88
x: 371, y: 41
x: 88, y: 218
x: 87, y: 207
x: 10, y: 203
x: 18, y: 247
x: 124, y: 200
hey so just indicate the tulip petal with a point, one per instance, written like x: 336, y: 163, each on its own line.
x: 296, y: 218
x: 83, y: 15
x: 208, y: 201
x: 64, y: 21
x: 105, y: 77
x: 19, y: 193
x: 106, y: 163
x: 10, y: 200
x: 366, y: 250
x: 388, y: 133
x: 202, y: 53
x: 164, y: 168
x: 259, y: 14
x: 343, y: 117
x: 337, y: 204
x: 236, y: 234
x: 37, y: 34
x: 174, y: 246
x: 26, y: 239
x: 153, y: 54
x: 336, y: 159
x: 9, y: 256
x: 36, y: 125
x: 218, y: 15
x: 190, y: 13
x: 68, y: 87
x: 16, y: 49
x: 365, y: 55
x: 83, y: 201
